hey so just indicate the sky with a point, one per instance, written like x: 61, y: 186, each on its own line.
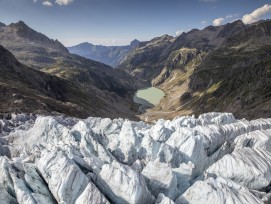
x: 118, y: 22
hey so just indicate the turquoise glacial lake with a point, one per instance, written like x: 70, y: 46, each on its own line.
x: 148, y: 97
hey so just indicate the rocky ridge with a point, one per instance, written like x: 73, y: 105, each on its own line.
x: 186, y: 160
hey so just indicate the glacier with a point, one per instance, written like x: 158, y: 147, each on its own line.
x: 214, y: 158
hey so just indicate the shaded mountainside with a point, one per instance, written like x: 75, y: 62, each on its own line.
x: 106, y: 92
x: 224, y: 68
x: 110, y: 55
x: 38, y: 51
x: 23, y: 89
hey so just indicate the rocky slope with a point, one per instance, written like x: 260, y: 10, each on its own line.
x: 212, y: 159
x: 110, y: 55
x: 223, y: 68
x: 30, y: 47
x: 23, y: 89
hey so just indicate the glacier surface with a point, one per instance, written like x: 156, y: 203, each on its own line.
x: 210, y: 159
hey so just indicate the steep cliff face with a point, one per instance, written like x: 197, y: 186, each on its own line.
x: 224, y: 68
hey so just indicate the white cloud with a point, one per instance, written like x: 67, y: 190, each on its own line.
x: 225, y: 19
x: 257, y: 14
x: 63, y: 2
x: 59, y: 2
x: 218, y: 21
x: 179, y: 32
x: 47, y: 3
x: 203, y: 22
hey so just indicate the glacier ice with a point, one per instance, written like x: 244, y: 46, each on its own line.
x: 214, y: 158
x: 218, y: 190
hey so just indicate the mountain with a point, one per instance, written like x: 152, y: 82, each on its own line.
x: 25, y: 90
x: 220, y: 68
x: 38, y: 51
x: 210, y: 159
x: 142, y: 61
x: 110, y: 55
x: 30, y: 47
x: 101, y: 91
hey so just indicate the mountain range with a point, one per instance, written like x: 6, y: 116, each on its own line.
x: 220, y: 68
x: 110, y: 55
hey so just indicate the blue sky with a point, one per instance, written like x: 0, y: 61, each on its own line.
x: 117, y: 22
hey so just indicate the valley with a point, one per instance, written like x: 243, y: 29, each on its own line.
x: 91, y: 88
x: 219, y: 68
x: 96, y: 117
x: 199, y: 71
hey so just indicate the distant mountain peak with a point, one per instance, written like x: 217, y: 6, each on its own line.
x: 86, y: 44
x: 238, y: 22
x: 24, y: 31
x: 20, y: 25
x: 2, y: 24
x: 134, y: 43
x: 110, y: 55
